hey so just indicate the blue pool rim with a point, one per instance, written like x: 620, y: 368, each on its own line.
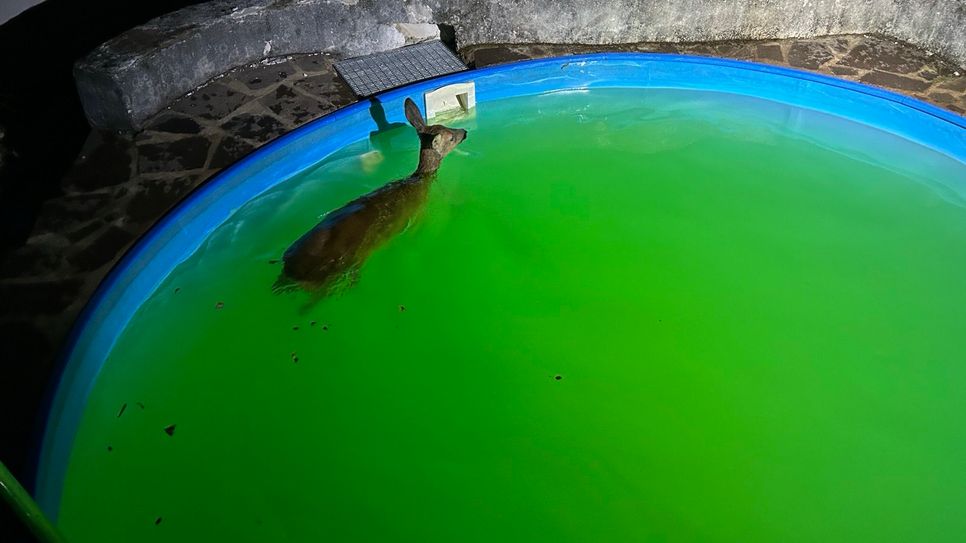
x: 177, y: 235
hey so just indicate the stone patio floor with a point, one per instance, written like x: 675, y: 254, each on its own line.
x: 122, y: 183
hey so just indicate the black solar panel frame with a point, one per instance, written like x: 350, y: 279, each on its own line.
x: 371, y: 74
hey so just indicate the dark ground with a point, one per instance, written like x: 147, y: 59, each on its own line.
x: 42, y: 128
x: 70, y: 223
x: 39, y: 110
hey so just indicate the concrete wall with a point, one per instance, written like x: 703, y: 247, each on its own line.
x: 134, y: 75
x: 936, y: 25
x: 583, y: 21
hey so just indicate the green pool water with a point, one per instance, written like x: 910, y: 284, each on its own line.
x: 624, y: 315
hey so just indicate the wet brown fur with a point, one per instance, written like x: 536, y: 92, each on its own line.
x: 338, y: 246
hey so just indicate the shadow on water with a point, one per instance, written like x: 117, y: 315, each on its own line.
x: 387, y: 135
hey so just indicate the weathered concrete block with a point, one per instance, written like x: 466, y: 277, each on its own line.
x: 417, y: 32
x: 131, y: 77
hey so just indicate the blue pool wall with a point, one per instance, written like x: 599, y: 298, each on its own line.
x: 181, y: 232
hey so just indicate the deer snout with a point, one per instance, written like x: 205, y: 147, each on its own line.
x: 460, y: 135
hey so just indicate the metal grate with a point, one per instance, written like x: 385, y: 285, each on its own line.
x: 379, y: 72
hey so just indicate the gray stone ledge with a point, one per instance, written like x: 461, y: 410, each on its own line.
x: 131, y: 77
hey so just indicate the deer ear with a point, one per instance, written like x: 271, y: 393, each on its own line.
x: 413, y: 115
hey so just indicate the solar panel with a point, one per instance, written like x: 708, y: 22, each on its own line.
x: 379, y: 72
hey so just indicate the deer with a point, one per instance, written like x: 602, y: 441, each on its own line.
x: 338, y: 246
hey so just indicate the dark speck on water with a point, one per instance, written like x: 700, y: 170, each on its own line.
x: 273, y: 261
x: 109, y: 448
x: 295, y: 357
x: 325, y: 328
x: 557, y: 377
x: 141, y: 405
x: 295, y: 328
x: 121, y: 412
x: 157, y: 521
x: 219, y: 305
x: 169, y: 429
x: 177, y: 290
x: 402, y: 308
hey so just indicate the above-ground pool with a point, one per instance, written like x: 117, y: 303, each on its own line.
x: 649, y: 298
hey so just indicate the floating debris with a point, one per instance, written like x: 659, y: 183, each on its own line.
x: 295, y: 328
x: 157, y: 521
x: 325, y: 327
x: 177, y: 290
x: 312, y: 323
x: 219, y: 305
x: 295, y: 357
x: 121, y: 412
x: 557, y: 377
x: 169, y: 429
x: 141, y: 405
x: 402, y: 308
x: 273, y: 261
x: 109, y: 448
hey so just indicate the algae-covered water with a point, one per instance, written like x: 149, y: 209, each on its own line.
x: 624, y: 315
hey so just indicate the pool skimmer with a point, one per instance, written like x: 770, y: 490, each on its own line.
x: 450, y: 100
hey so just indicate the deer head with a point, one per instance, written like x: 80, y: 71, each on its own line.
x: 435, y: 140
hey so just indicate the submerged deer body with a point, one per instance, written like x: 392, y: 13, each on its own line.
x: 340, y: 244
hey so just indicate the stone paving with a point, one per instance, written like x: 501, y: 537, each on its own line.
x: 122, y: 183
